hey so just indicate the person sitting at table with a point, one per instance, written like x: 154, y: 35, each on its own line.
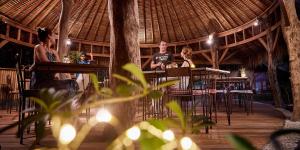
x: 186, y: 54
x: 83, y: 59
x: 163, y: 58
x: 44, y: 53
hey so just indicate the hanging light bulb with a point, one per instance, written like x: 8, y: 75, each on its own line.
x: 68, y: 42
x: 133, y: 133
x: 256, y: 22
x: 168, y: 135
x: 210, y: 39
x: 186, y: 143
x: 67, y: 134
x: 103, y: 115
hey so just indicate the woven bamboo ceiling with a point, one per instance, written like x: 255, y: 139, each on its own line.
x: 168, y: 20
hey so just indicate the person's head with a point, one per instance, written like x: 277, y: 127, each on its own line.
x: 82, y: 56
x: 163, y: 47
x: 186, y: 52
x: 45, y: 36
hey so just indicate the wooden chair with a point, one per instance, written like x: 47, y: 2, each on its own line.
x: 24, y: 95
x: 183, y: 89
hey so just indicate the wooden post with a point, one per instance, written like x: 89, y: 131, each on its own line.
x: 270, y: 46
x: 124, y: 48
x: 64, y: 28
x: 291, y: 35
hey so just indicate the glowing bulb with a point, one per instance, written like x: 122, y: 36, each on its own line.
x: 209, y: 42
x: 186, y: 143
x: 133, y: 133
x: 210, y: 37
x: 168, y: 135
x: 67, y: 134
x: 256, y: 22
x: 68, y: 42
x: 103, y: 116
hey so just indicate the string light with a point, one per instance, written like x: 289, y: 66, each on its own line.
x: 168, y: 135
x: 67, y: 134
x: 186, y: 143
x: 133, y: 133
x: 103, y: 115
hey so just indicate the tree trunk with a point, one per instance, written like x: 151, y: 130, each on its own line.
x: 64, y: 28
x: 292, y: 37
x: 124, y: 48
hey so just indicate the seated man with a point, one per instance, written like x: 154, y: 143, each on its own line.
x: 162, y: 58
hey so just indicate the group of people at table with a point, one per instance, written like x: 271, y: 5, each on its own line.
x: 43, y: 52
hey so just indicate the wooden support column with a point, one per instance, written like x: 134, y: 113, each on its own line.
x: 3, y: 43
x: 291, y: 35
x: 270, y: 45
x: 124, y: 48
x: 64, y: 28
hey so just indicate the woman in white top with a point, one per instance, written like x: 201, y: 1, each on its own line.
x: 186, y: 54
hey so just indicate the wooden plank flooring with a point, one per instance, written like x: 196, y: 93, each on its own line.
x: 256, y: 127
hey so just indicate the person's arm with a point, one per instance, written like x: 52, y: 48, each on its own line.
x: 41, y: 54
x: 154, y: 66
x: 56, y: 56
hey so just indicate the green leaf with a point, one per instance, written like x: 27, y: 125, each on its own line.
x: 137, y: 72
x: 150, y: 142
x: 155, y: 94
x: 106, y: 91
x: 54, y: 105
x: 240, y: 143
x: 125, y: 79
x: 165, y: 84
x: 95, y: 81
x: 40, y: 102
x: 124, y: 90
x: 177, y: 110
x: 158, y: 124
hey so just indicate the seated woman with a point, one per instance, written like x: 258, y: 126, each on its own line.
x: 186, y: 54
x: 44, y: 53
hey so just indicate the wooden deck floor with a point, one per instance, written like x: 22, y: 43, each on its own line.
x: 255, y: 127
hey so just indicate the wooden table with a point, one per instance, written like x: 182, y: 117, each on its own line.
x: 58, y: 67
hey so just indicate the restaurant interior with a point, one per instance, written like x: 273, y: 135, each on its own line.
x: 150, y: 74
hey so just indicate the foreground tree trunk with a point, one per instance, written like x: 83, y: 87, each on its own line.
x: 124, y: 48
x: 63, y: 27
x: 291, y: 35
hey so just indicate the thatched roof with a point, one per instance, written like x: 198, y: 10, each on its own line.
x: 168, y: 20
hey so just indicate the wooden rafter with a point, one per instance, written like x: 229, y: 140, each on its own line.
x: 159, y: 30
x: 223, y: 55
x: 199, y: 17
x: 206, y: 57
x: 214, y: 14
x: 152, y: 25
x: 164, y: 19
x: 93, y: 19
x: 3, y: 43
x: 40, y: 8
x: 226, y: 17
x: 98, y: 26
x: 147, y: 62
x: 180, y: 24
x: 187, y: 21
x: 175, y: 35
x: 145, y: 23
x: 38, y: 20
x: 192, y: 14
x: 230, y: 56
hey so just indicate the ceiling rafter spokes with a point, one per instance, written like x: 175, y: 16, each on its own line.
x: 187, y: 21
x: 78, y: 16
x: 100, y: 21
x: 172, y: 24
x: 93, y: 19
x: 214, y: 16
x: 193, y: 14
x: 199, y: 17
x: 232, y: 13
x: 241, y: 4
x: 145, y: 23
x: 179, y: 22
x: 226, y: 15
x: 40, y: 18
x: 159, y: 28
x: 152, y: 25
x: 86, y: 18
x: 36, y: 12
x: 163, y: 18
x: 28, y: 9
